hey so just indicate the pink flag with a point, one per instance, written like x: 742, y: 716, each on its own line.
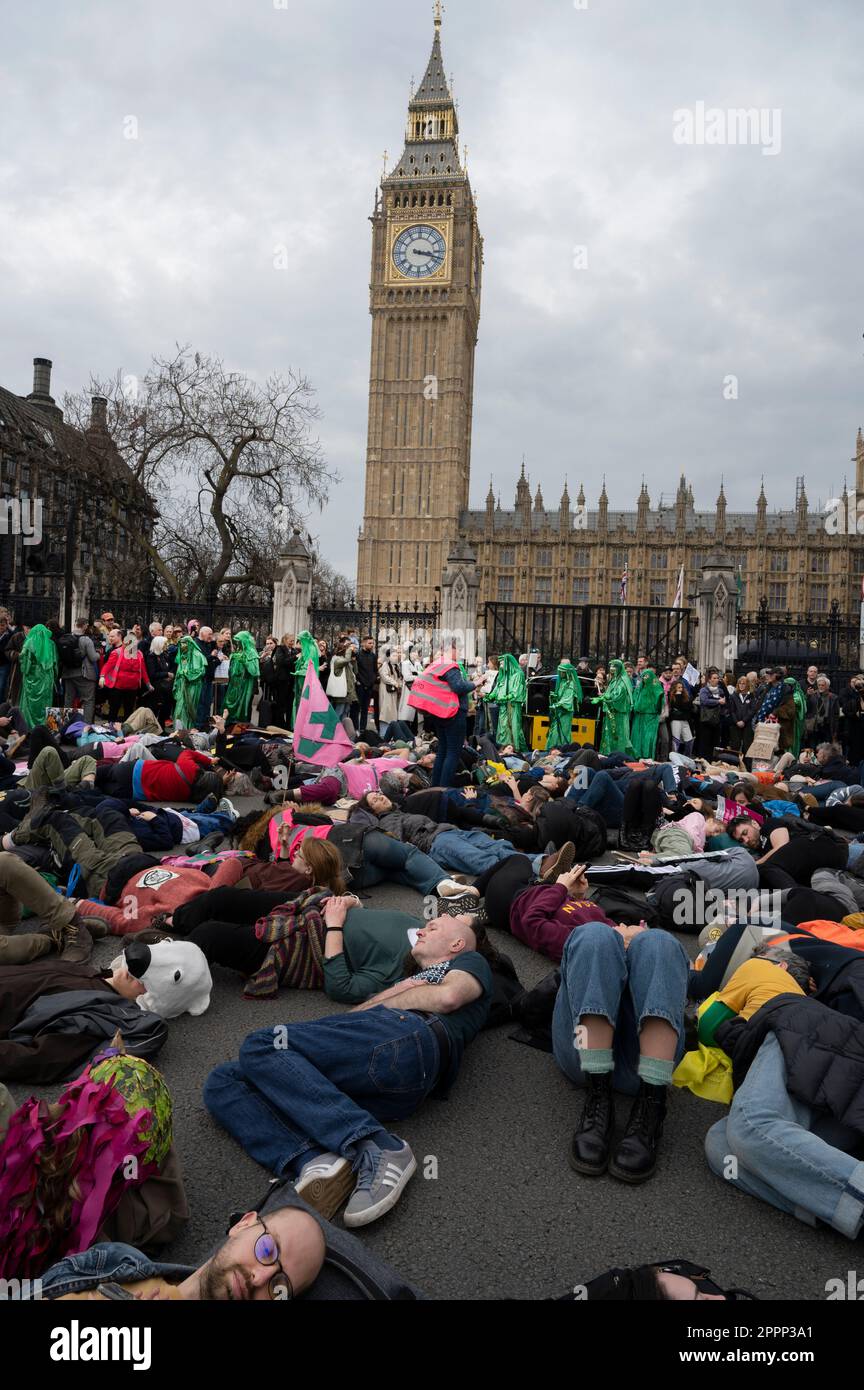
x: 318, y: 736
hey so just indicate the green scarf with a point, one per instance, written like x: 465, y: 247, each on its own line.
x: 38, y: 663
x: 616, y: 703
x: 564, y: 700
x: 800, y: 714
x: 188, y: 680
x: 510, y: 694
x: 243, y: 672
x: 308, y: 652
x: 647, y: 707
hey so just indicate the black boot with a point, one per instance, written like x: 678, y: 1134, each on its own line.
x: 589, y: 1147
x: 635, y: 1158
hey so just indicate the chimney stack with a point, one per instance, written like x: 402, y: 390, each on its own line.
x: 99, y: 414
x: 42, y: 378
x: 41, y: 396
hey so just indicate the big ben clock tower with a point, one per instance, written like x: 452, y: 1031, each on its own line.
x: 427, y: 256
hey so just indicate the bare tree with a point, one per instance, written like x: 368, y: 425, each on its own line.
x: 221, y: 455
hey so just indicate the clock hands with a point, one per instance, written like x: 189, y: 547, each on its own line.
x: 418, y: 251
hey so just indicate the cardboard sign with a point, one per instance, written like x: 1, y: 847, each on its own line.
x: 765, y: 742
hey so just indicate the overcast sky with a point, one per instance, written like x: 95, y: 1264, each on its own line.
x: 261, y: 126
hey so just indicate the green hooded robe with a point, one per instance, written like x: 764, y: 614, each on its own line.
x: 616, y: 703
x: 800, y: 714
x: 243, y: 671
x: 564, y: 700
x: 38, y: 663
x: 647, y: 708
x: 308, y: 652
x: 188, y: 680
x: 510, y: 694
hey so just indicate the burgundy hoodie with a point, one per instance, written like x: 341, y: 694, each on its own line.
x: 544, y: 917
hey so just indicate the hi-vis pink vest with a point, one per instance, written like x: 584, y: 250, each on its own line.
x: 432, y: 695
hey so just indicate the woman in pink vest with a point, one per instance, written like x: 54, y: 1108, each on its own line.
x: 441, y: 693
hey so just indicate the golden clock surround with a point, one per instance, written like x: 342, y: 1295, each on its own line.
x: 442, y: 221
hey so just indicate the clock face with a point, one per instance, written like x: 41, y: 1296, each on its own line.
x: 419, y: 251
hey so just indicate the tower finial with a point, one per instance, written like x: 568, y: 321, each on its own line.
x: 439, y: 12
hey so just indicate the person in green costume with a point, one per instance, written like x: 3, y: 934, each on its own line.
x: 243, y: 672
x: 38, y: 663
x: 188, y: 680
x: 564, y: 700
x: 800, y: 714
x: 616, y: 703
x: 308, y: 652
x: 510, y: 694
x: 647, y: 708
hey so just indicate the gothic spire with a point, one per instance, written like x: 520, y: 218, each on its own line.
x: 432, y: 135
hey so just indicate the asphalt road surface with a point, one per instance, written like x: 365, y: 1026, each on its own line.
x: 499, y: 1213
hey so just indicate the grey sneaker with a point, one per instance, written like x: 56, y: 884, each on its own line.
x: 382, y: 1176
x: 455, y: 907
x: 324, y: 1183
x: 228, y: 808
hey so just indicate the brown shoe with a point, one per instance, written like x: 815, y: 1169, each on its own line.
x: 558, y: 863
x: 74, y: 943
x: 94, y: 925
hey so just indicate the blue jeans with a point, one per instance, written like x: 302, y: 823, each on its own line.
x: 470, y: 851
x: 323, y: 1085
x: 779, y: 1158
x: 603, y: 793
x: 208, y: 822
x: 647, y: 979
x: 388, y: 860
x: 822, y: 790
x: 451, y: 737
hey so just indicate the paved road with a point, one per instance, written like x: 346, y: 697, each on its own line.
x: 505, y: 1217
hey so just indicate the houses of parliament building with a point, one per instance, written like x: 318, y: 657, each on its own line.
x: 425, y: 298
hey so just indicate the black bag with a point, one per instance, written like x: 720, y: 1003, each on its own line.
x: 507, y: 988
x: 265, y: 713
x: 268, y: 673
x: 348, y: 839
x: 625, y: 905
x: 69, y: 651
x: 590, y: 841
x: 709, y: 714
x: 533, y: 1011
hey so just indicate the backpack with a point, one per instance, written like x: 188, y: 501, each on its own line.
x: 589, y: 834
x: 69, y: 650
x: 432, y: 695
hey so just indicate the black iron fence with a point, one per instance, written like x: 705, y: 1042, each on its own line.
x: 390, y: 624
x: 145, y: 609
x: 829, y: 641
x: 598, y: 632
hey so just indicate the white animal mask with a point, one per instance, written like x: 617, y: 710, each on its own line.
x: 175, y: 974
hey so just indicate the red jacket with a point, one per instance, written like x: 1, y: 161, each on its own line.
x: 544, y: 917
x: 164, y: 781
x: 121, y: 672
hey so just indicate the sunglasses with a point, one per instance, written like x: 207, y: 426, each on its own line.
x: 267, y: 1254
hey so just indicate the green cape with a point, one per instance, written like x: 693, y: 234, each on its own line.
x: 800, y: 714
x: 38, y: 663
x: 188, y: 680
x: 243, y: 671
x: 308, y: 652
x: 616, y: 703
x: 510, y: 694
x: 564, y: 700
x: 647, y: 708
